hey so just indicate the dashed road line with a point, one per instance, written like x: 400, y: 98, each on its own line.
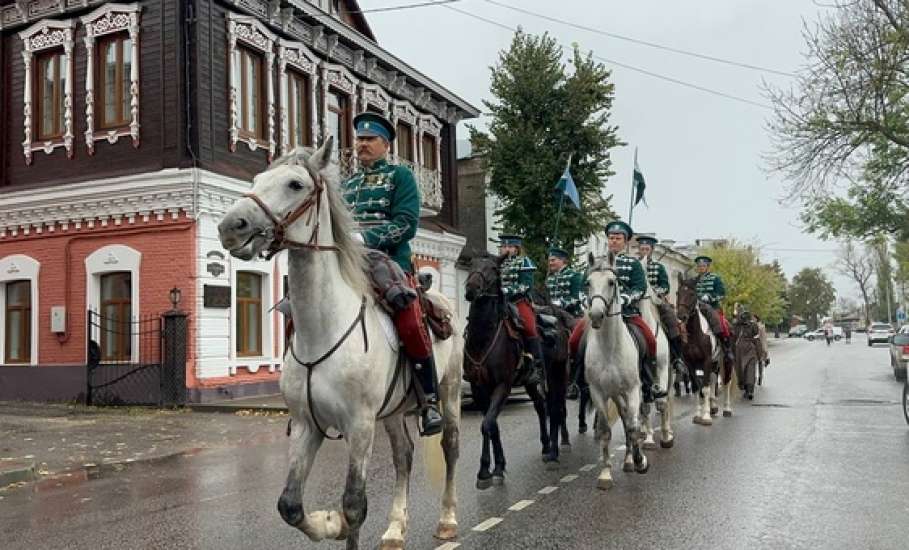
x: 520, y: 505
x: 486, y: 525
x: 587, y: 467
x: 548, y: 490
x: 568, y: 479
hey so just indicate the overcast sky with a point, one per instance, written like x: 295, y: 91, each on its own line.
x: 700, y: 154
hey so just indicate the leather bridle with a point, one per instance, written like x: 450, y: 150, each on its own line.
x: 615, y: 292
x: 278, y: 231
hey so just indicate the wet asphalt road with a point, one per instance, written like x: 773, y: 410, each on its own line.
x: 819, y: 460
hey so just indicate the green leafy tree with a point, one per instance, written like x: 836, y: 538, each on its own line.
x: 748, y: 282
x: 812, y: 295
x: 901, y: 276
x: 885, y: 306
x: 541, y: 114
x: 846, y: 120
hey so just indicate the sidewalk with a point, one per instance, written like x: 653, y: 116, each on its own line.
x: 54, y: 441
x: 270, y: 403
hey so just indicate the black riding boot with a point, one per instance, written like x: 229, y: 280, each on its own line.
x: 535, y: 348
x: 649, y: 388
x: 675, y: 353
x: 727, y: 349
x: 430, y: 419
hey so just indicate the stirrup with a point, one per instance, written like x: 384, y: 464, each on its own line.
x: 430, y: 420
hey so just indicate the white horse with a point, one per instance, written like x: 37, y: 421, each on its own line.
x: 662, y: 376
x: 611, y: 368
x: 341, y: 372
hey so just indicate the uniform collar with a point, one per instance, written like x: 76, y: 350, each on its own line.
x: 377, y: 165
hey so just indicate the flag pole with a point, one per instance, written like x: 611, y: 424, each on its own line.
x: 631, y: 202
x: 555, y: 237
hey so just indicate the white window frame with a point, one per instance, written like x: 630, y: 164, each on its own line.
x: 298, y: 57
x: 45, y: 35
x: 13, y: 268
x: 342, y: 80
x: 109, y: 19
x: 374, y: 95
x: 111, y: 259
x: 253, y: 34
x: 253, y: 362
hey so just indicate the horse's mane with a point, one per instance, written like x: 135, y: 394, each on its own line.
x: 351, y: 253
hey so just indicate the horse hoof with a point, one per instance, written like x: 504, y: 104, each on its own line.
x: 643, y: 468
x: 714, y: 411
x: 649, y: 445
x: 628, y: 467
x: 667, y: 443
x: 498, y: 481
x: 703, y: 421
x: 582, y: 429
x: 727, y: 414
x: 605, y: 483
x: 392, y: 544
x: 447, y: 531
x: 484, y: 483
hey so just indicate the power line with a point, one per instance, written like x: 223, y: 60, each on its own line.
x: 626, y: 66
x: 392, y: 8
x: 641, y: 42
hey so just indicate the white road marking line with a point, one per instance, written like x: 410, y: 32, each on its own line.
x: 548, y: 490
x: 448, y: 546
x: 488, y: 524
x: 568, y: 479
x: 621, y: 448
x: 520, y: 505
x: 588, y: 467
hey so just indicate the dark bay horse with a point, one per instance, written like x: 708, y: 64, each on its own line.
x: 492, y: 357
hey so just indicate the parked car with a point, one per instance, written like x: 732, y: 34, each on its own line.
x: 819, y: 334
x: 798, y: 331
x: 879, y: 333
x: 899, y: 353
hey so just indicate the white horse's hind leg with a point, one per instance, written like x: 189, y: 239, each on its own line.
x: 727, y: 405
x: 402, y: 454
x: 604, y: 435
x: 702, y: 416
x: 667, y: 436
x: 647, y: 426
x: 714, y: 383
x: 447, y: 528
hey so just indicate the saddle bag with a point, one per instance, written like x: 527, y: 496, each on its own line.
x: 437, y: 316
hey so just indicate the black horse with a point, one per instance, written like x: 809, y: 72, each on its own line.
x: 492, y: 360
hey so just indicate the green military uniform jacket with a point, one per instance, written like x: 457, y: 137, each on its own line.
x: 385, y: 201
x: 566, y: 290
x: 517, y: 276
x: 657, y: 277
x: 632, y: 283
x: 710, y: 289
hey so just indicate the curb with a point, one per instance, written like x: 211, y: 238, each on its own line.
x: 18, y: 474
x: 234, y: 407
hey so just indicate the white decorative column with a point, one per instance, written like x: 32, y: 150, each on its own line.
x: 109, y: 19
x: 45, y: 35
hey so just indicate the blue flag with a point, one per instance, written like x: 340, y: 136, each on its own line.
x: 567, y: 187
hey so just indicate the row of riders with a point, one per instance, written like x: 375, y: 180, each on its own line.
x: 351, y: 279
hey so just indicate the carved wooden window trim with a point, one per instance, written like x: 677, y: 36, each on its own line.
x: 338, y: 79
x: 372, y: 95
x: 249, y: 32
x: 403, y: 111
x: 430, y: 125
x: 44, y: 35
x: 107, y: 20
x: 294, y: 56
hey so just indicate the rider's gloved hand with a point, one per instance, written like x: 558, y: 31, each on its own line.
x: 358, y: 237
x: 705, y: 298
x: 626, y: 299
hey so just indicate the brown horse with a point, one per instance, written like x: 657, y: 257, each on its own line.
x: 701, y: 351
x: 492, y: 358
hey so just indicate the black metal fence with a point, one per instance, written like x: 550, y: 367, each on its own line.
x: 136, y: 361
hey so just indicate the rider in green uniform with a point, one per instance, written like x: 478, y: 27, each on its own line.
x: 711, y: 291
x: 385, y: 201
x: 564, y: 285
x: 517, y: 281
x: 658, y: 279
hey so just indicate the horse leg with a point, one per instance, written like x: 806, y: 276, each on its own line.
x: 714, y: 385
x: 633, y: 431
x: 561, y: 401
x: 305, y: 441
x: 359, y: 445
x: 583, y: 405
x: 499, y: 396
x: 667, y: 436
x: 727, y: 401
x: 702, y: 416
x: 539, y: 405
x: 622, y: 404
x: 647, y: 423
x: 402, y: 455
x: 604, y: 434
x: 447, y: 528
x: 484, y: 478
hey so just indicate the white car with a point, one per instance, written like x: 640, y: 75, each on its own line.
x: 879, y: 333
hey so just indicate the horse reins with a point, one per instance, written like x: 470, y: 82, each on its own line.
x: 280, y: 226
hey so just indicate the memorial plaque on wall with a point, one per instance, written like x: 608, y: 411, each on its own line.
x: 216, y: 296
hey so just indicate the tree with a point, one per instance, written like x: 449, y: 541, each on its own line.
x: 858, y: 266
x: 846, y: 119
x: 885, y: 306
x: 901, y: 276
x: 811, y: 295
x: 748, y: 282
x: 541, y: 114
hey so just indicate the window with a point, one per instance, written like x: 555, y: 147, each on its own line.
x: 249, y: 314
x: 114, y: 70
x: 429, y: 152
x: 252, y: 95
x: 50, y: 83
x: 405, y: 141
x: 18, y: 327
x: 298, y: 94
x: 337, y: 116
x: 116, y: 316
